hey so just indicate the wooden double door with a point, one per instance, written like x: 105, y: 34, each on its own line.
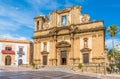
x: 63, y: 58
x: 8, y: 60
x: 45, y: 58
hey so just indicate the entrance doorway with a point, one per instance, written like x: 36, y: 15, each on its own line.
x: 20, y: 62
x: 85, y: 58
x: 8, y: 60
x: 44, y: 60
x: 63, y: 58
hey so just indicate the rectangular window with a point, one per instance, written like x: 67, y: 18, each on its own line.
x: 37, y: 25
x: 8, y: 48
x: 20, y: 52
x: 20, y: 49
x: 63, y: 20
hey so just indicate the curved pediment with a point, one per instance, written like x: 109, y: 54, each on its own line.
x: 63, y: 44
x: 85, y: 50
x: 44, y: 52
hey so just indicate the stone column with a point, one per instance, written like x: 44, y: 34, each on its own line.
x: 72, y: 48
x: 51, y: 52
x: 55, y: 52
x: 68, y: 61
x: 39, y: 52
x: 35, y: 51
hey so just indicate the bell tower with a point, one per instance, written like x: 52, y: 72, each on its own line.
x: 39, y: 22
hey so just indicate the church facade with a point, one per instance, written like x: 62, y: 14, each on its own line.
x: 68, y: 37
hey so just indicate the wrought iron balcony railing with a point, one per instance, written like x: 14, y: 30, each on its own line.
x: 20, y: 52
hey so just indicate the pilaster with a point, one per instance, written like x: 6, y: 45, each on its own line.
x: 72, y: 48
x: 55, y: 51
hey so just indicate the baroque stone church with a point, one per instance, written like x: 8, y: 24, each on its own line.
x: 68, y: 37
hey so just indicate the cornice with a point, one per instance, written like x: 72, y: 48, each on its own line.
x: 75, y: 32
x: 15, y: 41
x: 69, y: 25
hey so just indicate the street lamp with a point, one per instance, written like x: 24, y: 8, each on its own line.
x: 105, y: 53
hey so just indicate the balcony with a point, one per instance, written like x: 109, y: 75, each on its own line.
x: 8, y: 52
x: 20, y: 52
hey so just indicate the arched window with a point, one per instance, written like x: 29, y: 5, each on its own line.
x: 37, y: 25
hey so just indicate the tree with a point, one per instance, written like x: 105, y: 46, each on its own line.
x: 116, y: 57
x: 113, y: 30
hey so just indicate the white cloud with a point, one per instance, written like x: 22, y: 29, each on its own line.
x: 18, y: 16
x: 15, y: 16
x: 69, y: 3
x: 108, y: 42
x: 44, y: 4
x: 8, y: 25
x: 9, y: 36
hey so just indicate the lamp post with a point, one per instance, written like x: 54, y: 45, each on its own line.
x: 105, y: 52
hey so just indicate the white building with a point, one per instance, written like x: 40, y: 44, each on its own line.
x: 117, y: 47
x: 15, y: 52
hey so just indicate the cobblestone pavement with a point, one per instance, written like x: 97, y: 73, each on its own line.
x: 41, y: 75
x: 14, y: 69
x: 9, y: 72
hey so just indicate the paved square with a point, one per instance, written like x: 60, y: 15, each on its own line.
x: 41, y: 75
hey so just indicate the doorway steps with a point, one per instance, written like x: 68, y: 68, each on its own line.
x: 56, y: 68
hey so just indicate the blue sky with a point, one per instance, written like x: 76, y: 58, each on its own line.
x: 16, y: 16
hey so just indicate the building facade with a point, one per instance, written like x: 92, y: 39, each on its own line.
x: 68, y: 37
x: 117, y: 47
x: 15, y: 52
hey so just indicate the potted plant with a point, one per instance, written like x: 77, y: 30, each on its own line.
x: 80, y: 66
x: 33, y: 64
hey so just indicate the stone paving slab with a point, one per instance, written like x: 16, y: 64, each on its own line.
x: 8, y: 72
x: 42, y: 75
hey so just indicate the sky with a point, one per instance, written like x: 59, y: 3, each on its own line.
x: 17, y: 16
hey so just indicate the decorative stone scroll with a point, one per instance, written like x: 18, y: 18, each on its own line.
x: 85, y: 18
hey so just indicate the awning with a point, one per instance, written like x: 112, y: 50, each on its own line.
x: 8, y: 52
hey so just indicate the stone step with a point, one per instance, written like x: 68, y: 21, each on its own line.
x: 57, y: 68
